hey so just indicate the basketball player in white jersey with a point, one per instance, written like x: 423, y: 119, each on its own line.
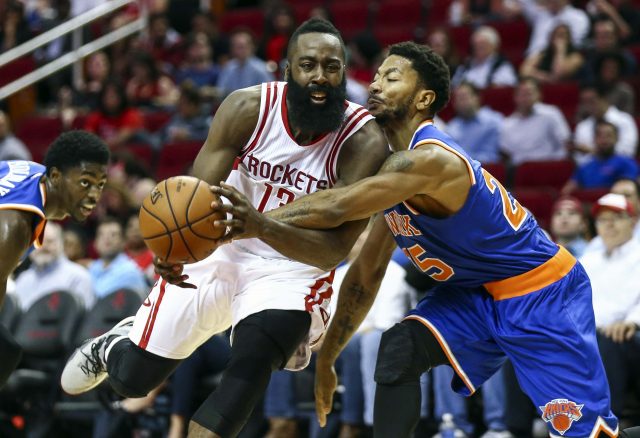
x: 276, y: 142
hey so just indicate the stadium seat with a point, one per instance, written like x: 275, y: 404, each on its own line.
x: 564, y: 95
x: 154, y: 121
x: 176, y: 158
x: 143, y: 152
x: 106, y: 313
x: 16, y: 69
x: 10, y: 312
x: 538, y: 201
x: 253, y: 18
x: 500, y: 99
x: 498, y: 171
x: 38, y: 133
x: 393, y: 13
x: 589, y: 196
x: 460, y: 35
x: 540, y: 174
x: 350, y: 16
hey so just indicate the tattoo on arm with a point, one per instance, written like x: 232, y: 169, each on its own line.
x: 354, y: 311
x: 397, y: 162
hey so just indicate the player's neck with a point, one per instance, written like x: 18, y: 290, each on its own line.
x: 53, y: 208
x: 400, y: 132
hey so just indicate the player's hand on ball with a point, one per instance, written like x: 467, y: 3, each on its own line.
x: 326, y: 383
x: 172, y: 273
x: 245, y: 221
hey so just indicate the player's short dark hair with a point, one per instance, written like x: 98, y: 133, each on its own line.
x: 431, y: 68
x: 314, y: 25
x: 72, y: 148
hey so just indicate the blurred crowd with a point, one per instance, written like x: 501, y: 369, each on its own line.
x: 569, y: 97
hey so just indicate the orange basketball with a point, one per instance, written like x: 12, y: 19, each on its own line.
x: 177, y: 222
x: 561, y: 423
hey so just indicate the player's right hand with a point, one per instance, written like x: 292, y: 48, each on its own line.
x: 326, y: 383
x: 172, y: 273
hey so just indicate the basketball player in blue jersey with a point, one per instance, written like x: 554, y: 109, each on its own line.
x: 504, y: 290
x: 68, y: 184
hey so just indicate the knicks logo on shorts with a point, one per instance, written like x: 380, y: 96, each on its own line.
x: 561, y: 413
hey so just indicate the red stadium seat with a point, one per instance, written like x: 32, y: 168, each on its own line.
x: 399, y: 13
x: 38, y: 133
x: 589, y: 196
x: 253, y: 18
x: 460, y: 36
x: 538, y: 202
x: 498, y: 171
x: 350, y: 16
x: 564, y: 95
x: 16, y: 69
x: 540, y: 174
x: 154, y: 121
x: 176, y: 158
x: 391, y: 35
x: 143, y: 152
x: 500, y: 99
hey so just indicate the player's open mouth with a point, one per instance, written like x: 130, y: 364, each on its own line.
x: 318, y: 97
x: 86, y: 210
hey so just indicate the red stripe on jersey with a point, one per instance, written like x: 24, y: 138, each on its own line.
x: 236, y: 163
x: 265, y: 112
x: 151, y: 320
x: 336, y: 144
x: 341, y: 139
x: 310, y: 300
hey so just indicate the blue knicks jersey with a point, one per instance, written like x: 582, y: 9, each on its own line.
x: 20, y: 189
x: 492, y: 237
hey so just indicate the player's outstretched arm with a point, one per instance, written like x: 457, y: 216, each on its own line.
x: 429, y: 170
x: 357, y: 294
x: 15, y: 238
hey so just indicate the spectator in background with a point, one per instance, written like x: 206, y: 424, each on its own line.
x: 114, y: 270
x: 97, y: 72
x: 161, y: 42
x: 244, y: 69
x: 594, y: 102
x: 474, y: 11
x: 569, y: 225
x: 605, y: 167
x: 115, y: 121
x: 559, y: 61
x: 615, y: 280
x: 545, y: 16
x: 364, y: 56
x: 204, y: 23
x: 623, y: 13
x: 535, y: 131
x: 14, y: 29
x: 51, y: 271
x: 75, y: 245
x: 136, y: 250
x: 189, y: 123
x: 11, y: 148
x: 486, y: 67
x: 440, y: 41
x: 605, y: 40
x: 608, y: 69
x: 630, y: 189
x: 279, y: 24
x: 147, y: 86
x: 198, y: 66
x: 476, y: 127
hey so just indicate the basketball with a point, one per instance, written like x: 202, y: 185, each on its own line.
x: 177, y: 222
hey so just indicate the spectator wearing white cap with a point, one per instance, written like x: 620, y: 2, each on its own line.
x: 615, y: 280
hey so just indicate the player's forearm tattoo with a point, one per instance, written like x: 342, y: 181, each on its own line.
x: 397, y: 162
x: 354, y: 310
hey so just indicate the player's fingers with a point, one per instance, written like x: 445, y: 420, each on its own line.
x: 186, y: 285
x: 233, y: 223
x: 222, y: 208
x: 320, y: 412
x: 629, y: 332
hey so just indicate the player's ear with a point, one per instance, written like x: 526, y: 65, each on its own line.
x: 287, y: 72
x: 54, y: 175
x: 425, y: 99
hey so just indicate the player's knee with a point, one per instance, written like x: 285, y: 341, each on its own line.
x: 399, y: 358
x: 134, y: 372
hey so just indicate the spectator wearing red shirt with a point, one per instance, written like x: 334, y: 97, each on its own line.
x: 114, y: 121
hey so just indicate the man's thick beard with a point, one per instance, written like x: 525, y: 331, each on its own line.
x: 316, y: 119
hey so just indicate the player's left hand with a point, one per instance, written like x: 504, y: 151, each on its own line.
x: 245, y: 221
x: 620, y: 331
x: 325, y: 387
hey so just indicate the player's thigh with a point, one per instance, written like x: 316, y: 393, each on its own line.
x: 172, y: 321
x: 457, y: 319
x: 550, y: 337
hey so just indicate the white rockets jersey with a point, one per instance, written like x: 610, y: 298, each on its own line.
x: 273, y: 170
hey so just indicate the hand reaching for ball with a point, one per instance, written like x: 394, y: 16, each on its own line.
x: 245, y: 222
x: 172, y: 273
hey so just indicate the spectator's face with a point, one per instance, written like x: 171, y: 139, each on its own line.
x: 465, y: 101
x: 158, y: 29
x: 242, y: 46
x: 73, y: 246
x: 567, y: 223
x: 525, y: 96
x: 4, y: 126
x: 51, y: 249
x: 593, y: 104
x: 111, y: 100
x: 615, y: 228
x: 482, y: 46
x: 98, y: 66
x: 605, y: 139
x: 132, y: 233
x: 199, y: 52
x: 186, y: 108
x: 561, y: 32
x: 609, y: 71
x: 439, y: 43
x: 605, y: 36
x: 109, y: 240
x: 627, y: 189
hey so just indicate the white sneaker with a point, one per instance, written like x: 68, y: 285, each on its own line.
x: 87, y: 368
x: 497, y: 434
